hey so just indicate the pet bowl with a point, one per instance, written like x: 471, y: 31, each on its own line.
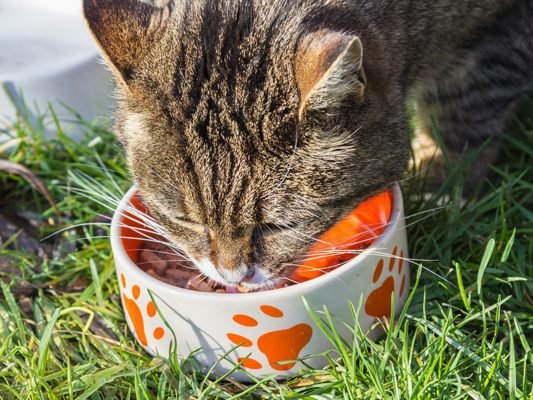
x: 47, y: 55
x: 268, y: 332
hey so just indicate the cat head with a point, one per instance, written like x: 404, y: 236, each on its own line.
x: 248, y: 131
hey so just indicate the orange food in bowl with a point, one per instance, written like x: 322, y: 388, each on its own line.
x: 355, y: 232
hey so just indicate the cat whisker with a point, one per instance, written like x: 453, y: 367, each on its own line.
x: 372, y: 251
x: 97, y: 167
x: 201, y: 277
x: 85, y: 180
x: 311, y: 268
x: 110, y: 199
x: 348, y: 241
x: 71, y: 227
x: 293, y: 281
x: 297, y: 265
x: 179, y: 251
x: 176, y: 262
x: 133, y: 214
x: 90, y: 224
x: 416, y: 262
x: 108, y: 175
x: 173, y: 253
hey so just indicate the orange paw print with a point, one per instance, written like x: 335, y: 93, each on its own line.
x: 136, y: 315
x: 378, y: 303
x: 281, y: 348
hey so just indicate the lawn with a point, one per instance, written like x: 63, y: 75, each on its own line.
x: 466, y: 332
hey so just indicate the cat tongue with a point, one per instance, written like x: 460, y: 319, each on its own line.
x: 357, y: 231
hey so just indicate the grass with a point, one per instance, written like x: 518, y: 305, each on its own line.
x: 465, y: 334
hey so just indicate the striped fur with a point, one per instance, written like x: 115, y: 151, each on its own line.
x: 245, y: 154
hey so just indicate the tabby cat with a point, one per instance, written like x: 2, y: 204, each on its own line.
x: 252, y: 126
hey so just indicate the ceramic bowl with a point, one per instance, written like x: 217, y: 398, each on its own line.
x: 47, y: 55
x: 268, y: 332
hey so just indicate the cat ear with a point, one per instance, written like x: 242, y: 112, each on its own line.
x: 125, y: 30
x: 329, y: 70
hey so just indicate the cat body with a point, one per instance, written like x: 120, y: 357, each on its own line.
x: 251, y: 127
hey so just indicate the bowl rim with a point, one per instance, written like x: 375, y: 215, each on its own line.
x: 120, y: 256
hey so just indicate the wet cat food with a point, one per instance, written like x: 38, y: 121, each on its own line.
x: 167, y: 265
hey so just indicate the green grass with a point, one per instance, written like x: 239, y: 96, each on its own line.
x: 466, y: 333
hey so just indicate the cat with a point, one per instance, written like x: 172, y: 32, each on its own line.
x: 252, y: 126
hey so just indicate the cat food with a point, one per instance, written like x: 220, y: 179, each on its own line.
x: 166, y: 265
x: 337, y: 246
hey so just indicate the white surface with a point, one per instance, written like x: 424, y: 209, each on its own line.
x: 203, y: 320
x: 47, y: 52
